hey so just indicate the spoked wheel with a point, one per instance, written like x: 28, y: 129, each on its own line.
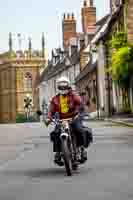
x: 67, y: 157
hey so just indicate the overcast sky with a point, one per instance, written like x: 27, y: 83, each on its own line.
x: 32, y: 17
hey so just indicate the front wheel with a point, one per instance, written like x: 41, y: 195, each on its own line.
x: 67, y: 157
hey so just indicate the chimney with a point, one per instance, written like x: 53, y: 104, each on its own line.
x: 69, y: 28
x: 88, y: 17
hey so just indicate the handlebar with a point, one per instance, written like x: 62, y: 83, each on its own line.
x: 64, y: 120
x: 61, y: 120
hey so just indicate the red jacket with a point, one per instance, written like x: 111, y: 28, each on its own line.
x: 74, y: 103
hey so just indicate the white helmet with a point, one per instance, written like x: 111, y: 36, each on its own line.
x: 63, y: 85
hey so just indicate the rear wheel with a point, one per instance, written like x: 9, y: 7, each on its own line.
x: 67, y: 157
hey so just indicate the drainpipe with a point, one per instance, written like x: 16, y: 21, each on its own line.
x: 97, y: 93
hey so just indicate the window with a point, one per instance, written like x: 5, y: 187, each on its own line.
x: 28, y: 81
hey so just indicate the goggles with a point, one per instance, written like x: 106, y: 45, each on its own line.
x: 63, y: 87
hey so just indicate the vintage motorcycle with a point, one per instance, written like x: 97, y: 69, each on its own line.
x: 68, y: 144
x: 70, y: 152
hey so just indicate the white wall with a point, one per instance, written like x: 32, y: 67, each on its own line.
x: 101, y: 78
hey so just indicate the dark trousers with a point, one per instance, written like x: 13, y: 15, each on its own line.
x: 77, y: 129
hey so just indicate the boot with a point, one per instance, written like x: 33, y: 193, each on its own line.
x: 83, y: 155
x: 57, y: 159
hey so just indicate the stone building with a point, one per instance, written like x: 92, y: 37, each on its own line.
x: 19, y: 72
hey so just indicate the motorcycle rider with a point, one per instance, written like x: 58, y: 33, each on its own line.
x: 67, y: 103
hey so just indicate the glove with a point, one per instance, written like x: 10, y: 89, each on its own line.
x: 47, y: 122
x: 38, y: 112
x: 76, y: 115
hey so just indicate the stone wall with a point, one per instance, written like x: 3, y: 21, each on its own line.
x: 13, y: 88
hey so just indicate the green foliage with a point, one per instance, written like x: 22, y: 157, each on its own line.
x: 122, y: 60
x: 21, y: 118
x: 126, y: 109
x: 122, y: 67
x: 119, y: 40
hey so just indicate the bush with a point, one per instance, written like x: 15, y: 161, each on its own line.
x: 126, y: 110
x: 21, y: 118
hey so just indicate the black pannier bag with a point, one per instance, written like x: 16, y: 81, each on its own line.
x: 87, y: 137
x: 55, y: 138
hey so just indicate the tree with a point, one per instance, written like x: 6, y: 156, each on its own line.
x: 122, y: 63
x: 122, y: 66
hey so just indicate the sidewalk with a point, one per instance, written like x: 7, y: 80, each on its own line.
x: 123, y: 119
x: 126, y: 120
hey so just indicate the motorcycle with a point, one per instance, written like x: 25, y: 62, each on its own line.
x: 69, y: 149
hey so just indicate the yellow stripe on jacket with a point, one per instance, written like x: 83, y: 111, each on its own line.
x: 64, y: 104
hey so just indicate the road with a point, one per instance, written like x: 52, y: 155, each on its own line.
x: 31, y: 174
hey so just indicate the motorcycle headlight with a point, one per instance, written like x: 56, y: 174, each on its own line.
x: 65, y: 125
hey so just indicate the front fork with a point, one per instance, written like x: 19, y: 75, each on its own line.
x: 71, y: 141
x: 73, y: 148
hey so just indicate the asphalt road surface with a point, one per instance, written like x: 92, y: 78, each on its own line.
x: 108, y: 173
